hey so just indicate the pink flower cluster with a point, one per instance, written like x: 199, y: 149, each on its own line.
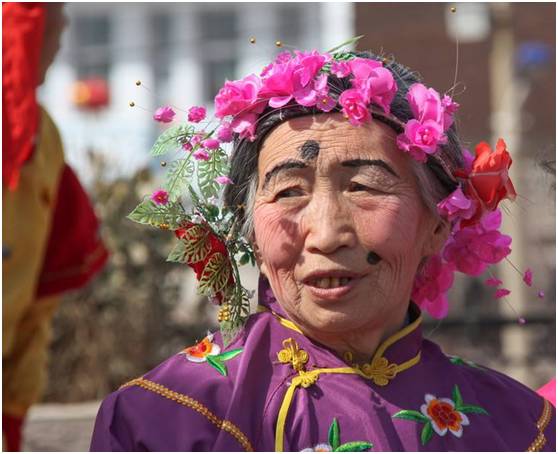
x: 431, y: 286
x: 302, y: 77
x: 432, y: 118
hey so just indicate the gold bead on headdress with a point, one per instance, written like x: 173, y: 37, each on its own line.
x: 132, y: 104
x: 163, y: 163
x: 138, y: 82
x: 453, y: 9
x: 252, y: 40
x: 278, y: 43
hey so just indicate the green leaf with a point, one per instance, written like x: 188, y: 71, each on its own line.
x: 345, y: 43
x: 208, y: 170
x: 456, y: 395
x: 177, y: 253
x: 218, y: 365
x: 149, y: 213
x: 215, y: 275
x: 471, y: 409
x: 426, y: 433
x: 230, y: 354
x: 333, y: 434
x: 178, y: 176
x: 411, y: 415
x: 462, y: 362
x: 244, y: 259
x: 171, y: 139
x: 354, y: 446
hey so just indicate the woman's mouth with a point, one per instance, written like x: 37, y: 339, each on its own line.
x: 326, y: 287
x: 330, y: 282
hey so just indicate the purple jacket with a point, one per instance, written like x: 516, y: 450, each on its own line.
x: 274, y: 389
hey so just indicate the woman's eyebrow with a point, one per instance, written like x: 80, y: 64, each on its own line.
x: 369, y: 162
x: 289, y: 164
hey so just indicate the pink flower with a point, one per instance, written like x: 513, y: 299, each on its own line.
x: 450, y: 107
x: 425, y: 104
x: 468, y: 158
x: 528, y: 277
x: 237, y: 96
x: 201, y: 155
x: 196, y: 114
x: 187, y: 146
x: 362, y: 68
x: 340, y: 69
x: 540, y: 294
x: 472, y: 249
x: 160, y: 197
x: 325, y: 103
x: 223, y: 180
x: 355, y: 106
x: 501, y: 292
x: 245, y: 125
x: 376, y: 82
x: 210, y: 144
x: 421, y: 139
x: 431, y: 285
x: 493, y: 282
x: 196, y: 139
x: 457, y: 206
x: 225, y: 132
x: 164, y: 114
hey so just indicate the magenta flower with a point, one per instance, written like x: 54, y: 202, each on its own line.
x: 528, y: 277
x: 223, y: 180
x: 196, y: 114
x: 378, y: 87
x: 245, y: 125
x: 355, y: 106
x: 425, y: 104
x: 493, y: 282
x: 450, y: 107
x: 362, y: 68
x: 160, y: 197
x: 540, y: 294
x: 164, y: 114
x: 457, y: 206
x: 421, y: 139
x: 472, y: 249
x: 237, y: 96
x: 201, y: 155
x: 431, y: 285
x: 196, y: 139
x: 210, y: 144
x: 187, y: 146
x: 501, y: 292
x: 340, y: 69
x: 325, y: 103
x: 225, y: 132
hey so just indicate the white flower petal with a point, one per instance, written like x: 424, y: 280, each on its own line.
x: 439, y: 430
x: 307, y: 450
x: 194, y: 359
x: 464, y: 419
x: 323, y: 447
x: 458, y: 432
x: 448, y: 401
x: 424, y: 410
x: 428, y: 398
x: 209, y: 336
x: 215, y: 349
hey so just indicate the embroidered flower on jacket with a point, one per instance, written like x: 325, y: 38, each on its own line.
x: 334, y: 442
x: 210, y: 352
x: 440, y: 415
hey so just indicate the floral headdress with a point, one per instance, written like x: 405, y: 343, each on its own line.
x: 208, y: 233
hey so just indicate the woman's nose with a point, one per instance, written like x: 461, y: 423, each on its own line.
x: 328, y: 225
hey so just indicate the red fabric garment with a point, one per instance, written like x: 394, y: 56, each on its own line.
x: 22, y: 36
x: 12, y: 427
x: 75, y: 251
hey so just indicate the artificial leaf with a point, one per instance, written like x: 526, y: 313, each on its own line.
x: 150, y: 213
x: 197, y: 244
x: 177, y: 253
x: 426, y: 433
x: 333, y: 434
x: 471, y: 409
x: 178, y: 176
x: 215, y: 275
x: 411, y: 415
x: 217, y: 364
x: 171, y: 139
x: 354, y: 446
x: 456, y: 395
x: 208, y: 170
x: 345, y: 43
x: 244, y: 259
x: 230, y: 354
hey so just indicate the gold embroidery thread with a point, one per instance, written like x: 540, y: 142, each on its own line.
x: 543, y: 421
x: 189, y: 402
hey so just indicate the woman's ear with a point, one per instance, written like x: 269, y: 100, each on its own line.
x: 437, y: 237
x: 258, y: 257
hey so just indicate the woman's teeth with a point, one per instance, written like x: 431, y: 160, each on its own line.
x: 330, y: 282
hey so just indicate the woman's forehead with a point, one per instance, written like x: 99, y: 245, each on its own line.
x: 329, y: 137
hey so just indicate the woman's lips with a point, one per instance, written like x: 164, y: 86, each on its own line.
x: 331, y: 288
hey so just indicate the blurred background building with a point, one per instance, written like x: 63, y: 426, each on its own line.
x: 141, y: 310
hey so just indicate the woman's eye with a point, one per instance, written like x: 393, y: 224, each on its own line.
x: 291, y: 192
x: 357, y: 187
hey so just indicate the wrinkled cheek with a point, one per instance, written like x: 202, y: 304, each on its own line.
x: 277, y: 236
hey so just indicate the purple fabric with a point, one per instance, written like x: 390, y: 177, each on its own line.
x: 134, y: 419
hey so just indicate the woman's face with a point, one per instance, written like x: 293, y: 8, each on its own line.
x: 340, y: 227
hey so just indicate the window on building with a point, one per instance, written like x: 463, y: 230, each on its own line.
x: 92, y: 46
x: 217, y: 49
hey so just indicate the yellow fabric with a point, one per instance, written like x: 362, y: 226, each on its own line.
x: 27, y: 215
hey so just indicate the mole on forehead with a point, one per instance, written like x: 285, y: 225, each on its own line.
x: 309, y: 150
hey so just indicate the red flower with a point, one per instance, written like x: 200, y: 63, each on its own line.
x: 489, y: 179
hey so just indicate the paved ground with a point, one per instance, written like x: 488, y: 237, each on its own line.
x: 60, y: 427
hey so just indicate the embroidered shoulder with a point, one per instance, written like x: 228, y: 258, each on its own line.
x: 182, y: 399
x: 542, y: 423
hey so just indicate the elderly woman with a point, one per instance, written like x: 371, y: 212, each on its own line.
x: 351, y: 186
